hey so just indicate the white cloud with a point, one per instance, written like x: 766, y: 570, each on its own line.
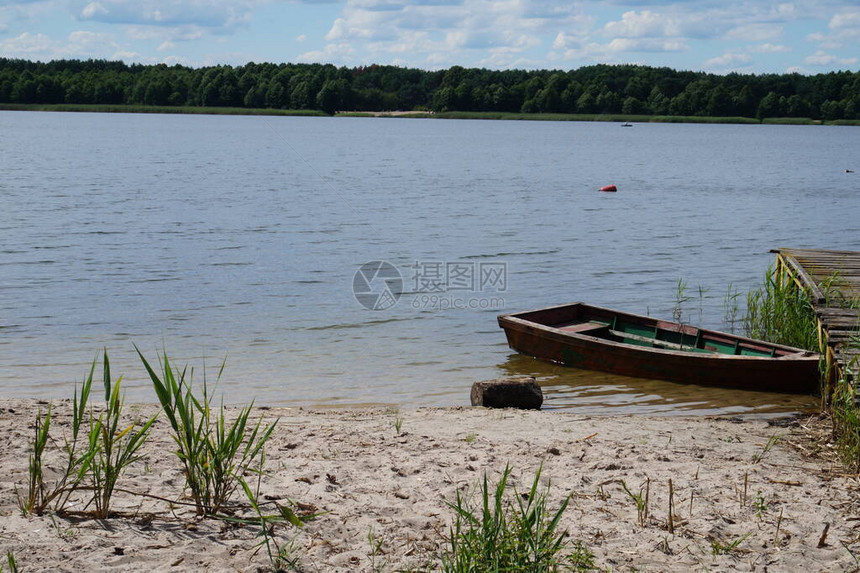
x: 130, y: 56
x: 93, y: 11
x: 645, y: 45
x: 214, y: 14
x: 339, y: 54
x: 727, y: 61
x: 160, y: 35
x: 565, y: 41
x: 825, y: 41
x: 759, y: 32
x: 645, y: 24
x: 87, y: 38
x: 822, y: 58
x: 172, y: 60
x: 844, y: 31
x: 301, y: 38
x: 78, y: 44
x: 845, y: 20
x: 616, y: 51
x: 30, y: 46
x: 770, y: 49
x: 496, y: 32
x: 676, y: 22
x: 785, y: 12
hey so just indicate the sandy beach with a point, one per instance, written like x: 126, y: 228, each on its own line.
x: 747, y: 495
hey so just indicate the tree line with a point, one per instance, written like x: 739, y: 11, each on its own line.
x: 596, y: 89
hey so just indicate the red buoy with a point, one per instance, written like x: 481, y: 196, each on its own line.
x: 609, y: 188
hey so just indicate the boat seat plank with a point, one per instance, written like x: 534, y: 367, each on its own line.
x: 658, y: 343
x: 582, y: 327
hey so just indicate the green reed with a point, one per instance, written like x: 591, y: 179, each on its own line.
x: 11, y: 562
x: 281, y: 554
x: 499, y: 535
x: 781, y: 312
x: 78, y: 457
x: 98, y: 450
x: 115, y: 447
x: 214, y: 452
x: 846, y: 415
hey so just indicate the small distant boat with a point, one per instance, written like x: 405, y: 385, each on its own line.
x: 595, y: 338
x: 608, y: 189
x: 626, y: 124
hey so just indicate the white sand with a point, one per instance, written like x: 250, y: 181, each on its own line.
x: 354, y: 466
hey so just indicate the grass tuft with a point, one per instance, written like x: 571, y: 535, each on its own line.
x: 771, y: 442
x: 115, y: 447
x: 640, y: 500
x: 281, y: 554
x: 213, y: 451
x: 720, y: 548
x: 500, y: 535
x: 11, y: 562
x: 41, y: 495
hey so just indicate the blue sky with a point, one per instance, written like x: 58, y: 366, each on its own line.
x: 809, y: 36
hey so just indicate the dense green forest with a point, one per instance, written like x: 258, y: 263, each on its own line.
x: 598, y: 89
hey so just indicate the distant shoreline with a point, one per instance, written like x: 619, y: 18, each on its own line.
x: 612, y: 118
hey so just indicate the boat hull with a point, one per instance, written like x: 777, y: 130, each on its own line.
x: 539, y: 334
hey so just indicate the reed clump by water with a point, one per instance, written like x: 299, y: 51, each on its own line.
x: 781, y: 312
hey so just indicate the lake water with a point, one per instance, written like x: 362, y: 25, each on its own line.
x: 216, y: 236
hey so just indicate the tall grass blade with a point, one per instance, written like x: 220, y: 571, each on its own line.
x: 781, y: 312
x: 501, y: 535
x: 114, y: 448
x: 214, y: 451
x: 41, y: 495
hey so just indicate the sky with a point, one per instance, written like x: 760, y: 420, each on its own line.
x: 719, y: 36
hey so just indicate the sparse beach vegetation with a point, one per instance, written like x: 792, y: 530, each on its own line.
x: 414, y: 504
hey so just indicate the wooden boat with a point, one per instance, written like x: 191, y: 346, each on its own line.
x: 595, y: 338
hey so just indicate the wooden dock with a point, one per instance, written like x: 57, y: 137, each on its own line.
x: 832, y: 280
